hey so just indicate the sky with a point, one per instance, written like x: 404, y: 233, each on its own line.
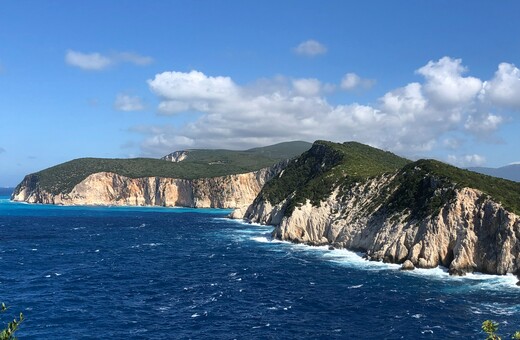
x: 118, y: 79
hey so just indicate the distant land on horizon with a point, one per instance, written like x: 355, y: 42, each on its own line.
x: 510, y: 172
x: 6, y: 191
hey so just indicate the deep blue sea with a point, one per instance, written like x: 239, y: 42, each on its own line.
x: 158, y: 273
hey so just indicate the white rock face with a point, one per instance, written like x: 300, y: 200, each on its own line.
x: 103, y: 188
x: 472, y: 233
x: 177, y: 156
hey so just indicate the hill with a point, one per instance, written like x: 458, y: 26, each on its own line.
x: 6, y: 191
x: 200, y: 164
x: 510, y: 172
x: 419, y: 214
x: 316, y: 172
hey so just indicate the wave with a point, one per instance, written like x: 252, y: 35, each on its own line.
x: 351, y: 259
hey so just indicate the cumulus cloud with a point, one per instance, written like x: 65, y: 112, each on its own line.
x: 192, y: 91
x: 504, y: 88
x: 126, y: 102
x: 352, y: 81
x: 310, y: 48
x: 307, y: 87
x: 483, y: 123
x: 412, y: 119
x: 467, y: 160
x: 96, y: 61
x: 445, y: 86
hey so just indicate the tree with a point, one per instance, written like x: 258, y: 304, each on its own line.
x: 12, y: 327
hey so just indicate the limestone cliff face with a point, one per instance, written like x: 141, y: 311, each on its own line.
x: 103, y: 188
x: 177, y: 156
x: 469, y: 233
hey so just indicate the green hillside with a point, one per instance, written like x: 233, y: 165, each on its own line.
x: 420, y: 187
x: 316, y: 172
x: 200, y: 164
x: 427, y: 185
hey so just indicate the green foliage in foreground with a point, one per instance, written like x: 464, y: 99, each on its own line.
x: 200, y: 164
x: 491, y: 328
x: 12, y: 327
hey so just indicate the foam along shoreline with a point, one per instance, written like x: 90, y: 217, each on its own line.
x: 344, y: 257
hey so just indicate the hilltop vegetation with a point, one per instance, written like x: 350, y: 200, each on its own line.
x: 420, y: 187
x: 316, y: 172
x: 200, y: 164
x: 426, y: 185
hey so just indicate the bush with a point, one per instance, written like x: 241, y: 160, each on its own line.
x: 12, y: 327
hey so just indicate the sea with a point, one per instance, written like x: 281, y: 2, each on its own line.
x: 175, y: 273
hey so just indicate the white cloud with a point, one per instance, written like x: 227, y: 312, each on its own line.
x: 307, y: 87
x: 483, y: 123
x: 194, y: 90
x: 514, y: 163
x: 87, y: 61
x: 445, y: 85
x: 126, y: 102
x: 96, y: 61
x: 132, y: 58
x: 467, y: 160
x: 412, y: 119
x: 504, y: 88
x: 311, y: 48
x: 452, y: 143
x: 352, y: 81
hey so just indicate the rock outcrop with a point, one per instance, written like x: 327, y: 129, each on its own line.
x: 471, y: 233
x: 176, y: 156
x: 418, y: 216
x: 103, y: 188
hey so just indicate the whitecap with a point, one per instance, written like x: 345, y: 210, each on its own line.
x: 355, y: 287
x: 347, y: 258
x: 152, y: 244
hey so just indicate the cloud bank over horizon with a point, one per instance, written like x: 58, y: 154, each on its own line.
x: 443, y: 111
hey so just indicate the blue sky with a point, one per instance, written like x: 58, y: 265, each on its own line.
x: 435, y: 79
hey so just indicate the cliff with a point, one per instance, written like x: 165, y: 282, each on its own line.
x: 191, y: 178
x: 105, y: 188
x: 422, y: 215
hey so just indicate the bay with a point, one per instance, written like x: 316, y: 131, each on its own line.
x: 112, y: 272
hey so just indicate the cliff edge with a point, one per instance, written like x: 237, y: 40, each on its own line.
x: 419, y: 214
x: 189, y: 178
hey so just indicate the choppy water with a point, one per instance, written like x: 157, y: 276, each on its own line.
x: 90, y: 273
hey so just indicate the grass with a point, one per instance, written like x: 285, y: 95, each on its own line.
x: 200, y: 164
